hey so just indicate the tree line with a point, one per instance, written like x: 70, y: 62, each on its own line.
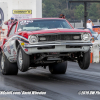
x: 72, y: 11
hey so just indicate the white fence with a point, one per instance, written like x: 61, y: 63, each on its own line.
x: 80, y: 24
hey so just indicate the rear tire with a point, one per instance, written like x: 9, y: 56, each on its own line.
x: 58, y: 68
x: 84, y: 61
x: 23, y: 60
x: 7, y: 68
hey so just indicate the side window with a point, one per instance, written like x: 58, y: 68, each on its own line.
x: 12, y: 30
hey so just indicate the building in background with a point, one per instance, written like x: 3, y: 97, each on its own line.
x: 20, y: 9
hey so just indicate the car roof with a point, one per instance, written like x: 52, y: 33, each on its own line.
x: 41, y: 19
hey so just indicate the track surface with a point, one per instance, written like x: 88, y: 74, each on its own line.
x: 57, y: 87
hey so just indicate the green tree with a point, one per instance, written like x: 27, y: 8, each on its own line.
x: 79, y: 12
x: 48, y: 9
x: 93, y: 11
x: 53, y: 8
x: 98, y: 10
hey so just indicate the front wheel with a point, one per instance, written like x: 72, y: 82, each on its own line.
x: 23, y: 60
x: 8, y: 68
x: 58, y: 68
x: 84, y: 61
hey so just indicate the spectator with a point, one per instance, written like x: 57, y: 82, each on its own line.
x: 9, y: 23
x: 92, y: 23
x: 62, y: 16
x: 89, y: 24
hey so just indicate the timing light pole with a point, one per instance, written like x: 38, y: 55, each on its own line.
x: 85, y: 8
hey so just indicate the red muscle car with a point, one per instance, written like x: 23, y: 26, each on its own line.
x: 44, y: 42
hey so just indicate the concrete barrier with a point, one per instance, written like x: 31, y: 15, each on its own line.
x: 95, y: 52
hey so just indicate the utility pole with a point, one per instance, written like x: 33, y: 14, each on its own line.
x: 85, y: 13
x: 85, y: 8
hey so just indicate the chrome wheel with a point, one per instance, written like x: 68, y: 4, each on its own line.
x: 20, y: 60
x: 23, y: 60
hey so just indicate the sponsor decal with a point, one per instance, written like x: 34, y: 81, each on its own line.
x: 25, y: 22
x: 8, y: 49
x: 22, y: 11
x: 22, y: 14
x: 14, y: 54
x: 21, y: 38
x: 5, y: 49
x: 19, y: 30
x: 11, y: 47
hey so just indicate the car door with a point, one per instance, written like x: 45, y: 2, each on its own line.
x: 9, y: 47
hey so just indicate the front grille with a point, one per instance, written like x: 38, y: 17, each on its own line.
x: 59, y: 37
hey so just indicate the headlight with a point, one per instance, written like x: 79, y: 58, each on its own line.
x: 86, y: 36
x: 32, y: 39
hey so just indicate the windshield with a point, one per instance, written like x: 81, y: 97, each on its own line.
x: 34, y: 25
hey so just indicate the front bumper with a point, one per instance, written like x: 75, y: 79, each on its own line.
x: 58, y: 47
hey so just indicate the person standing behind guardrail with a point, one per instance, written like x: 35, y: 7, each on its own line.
x: 9, y: 23
x: 89, y: 24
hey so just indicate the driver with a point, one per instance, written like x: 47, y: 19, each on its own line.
x: 62, y: 16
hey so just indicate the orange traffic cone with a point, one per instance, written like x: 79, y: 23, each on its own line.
x: 91, y: 57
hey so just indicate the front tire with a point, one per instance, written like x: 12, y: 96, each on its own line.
x: 23, y: 60
x: 84, y: 61
x: 8, y: 68
x: 58, y: 68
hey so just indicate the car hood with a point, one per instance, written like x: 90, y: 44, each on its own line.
x: 55, y: 31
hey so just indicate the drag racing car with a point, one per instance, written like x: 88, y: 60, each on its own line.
x: 51, y: 42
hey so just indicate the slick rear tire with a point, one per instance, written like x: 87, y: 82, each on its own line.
x: 7, y: 68
x: 23, y: 60
x: 84, y: 61
x: 58, y: 68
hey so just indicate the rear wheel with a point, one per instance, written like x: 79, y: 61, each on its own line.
x: 8, y: 68
x: 84, y: 61
x: 23, y: 60
x: 58, y: 68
